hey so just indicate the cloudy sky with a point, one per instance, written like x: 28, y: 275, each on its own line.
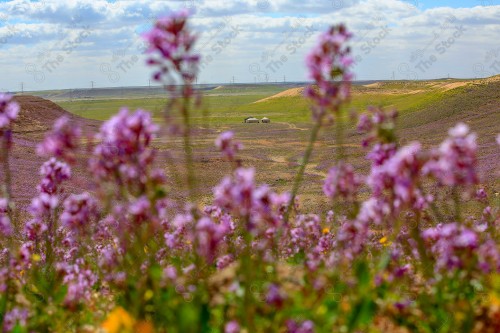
x: 50, y: 44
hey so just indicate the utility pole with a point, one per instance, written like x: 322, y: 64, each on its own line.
x: 284, y: 79
x: 92, y: 84
x: 22, y: 88
x: 233, y: 79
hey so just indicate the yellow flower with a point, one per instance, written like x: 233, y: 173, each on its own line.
x: 36, y: 257
x: 321, y: 310
x: 144, y: 327
x: 384, y: 241
x: 118, y: 320
x: 326, y: 230
x: 345, y: 306
x: 494, y: 299
x: 148, y: 295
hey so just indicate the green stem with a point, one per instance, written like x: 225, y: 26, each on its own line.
x: 6, y: 168
x: 188, y: 149
x: 421, y: 246
x: 7, y: 194
x: 456, y: 200
x: 302, y: 168
x: 339, y: 140
x: 248, y: 278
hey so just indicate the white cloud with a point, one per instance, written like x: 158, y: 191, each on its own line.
x: 271, y: 41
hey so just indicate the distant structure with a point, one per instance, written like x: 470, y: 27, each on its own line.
x: 249, y: 120
x: 265, y: 120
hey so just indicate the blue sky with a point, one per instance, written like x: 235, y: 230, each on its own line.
x: 51, y: 44
x: 426, y: 4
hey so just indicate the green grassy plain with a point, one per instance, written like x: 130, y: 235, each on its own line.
x: 426, y: 111
x: 228, y: 105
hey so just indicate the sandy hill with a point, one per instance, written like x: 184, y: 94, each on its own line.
x: 478, y: 105
x: 287, y: 93
x: 38, y: 115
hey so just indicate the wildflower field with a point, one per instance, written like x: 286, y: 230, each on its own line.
x: 408, y: 244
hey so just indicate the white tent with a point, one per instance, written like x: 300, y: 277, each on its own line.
x: 251, y: 120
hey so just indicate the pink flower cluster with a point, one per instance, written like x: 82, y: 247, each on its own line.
x: 232, y: 327
x: 208, y: 237
x: 380, y: 125
x: 53, y: 173
x: 79, y: 210
x: 457, y: 247
x: 79, y: 280
x: 302, y: 327
x: 240, y: 196
x: 9, y: 110
x: 455, y: 162
x: 227, y: 145
x: 342, y: 181
x: 399, y: 175
x: 5, y: 225
x: 173, y: 42
x: 15, y: 316
x: 62, y: 141
x: 328, y: 66
x: 124, y: 152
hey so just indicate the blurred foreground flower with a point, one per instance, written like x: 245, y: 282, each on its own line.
x: 118, y: 321
x: 9, y: 110
x: 328, y: 65
x: 172, y: 42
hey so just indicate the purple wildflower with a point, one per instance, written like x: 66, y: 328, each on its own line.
x: 341, y: 181
x: 78, y: 211
x: 139, y: 209
x: 232, y: 327
x: 457, y: 247
x: 455, y: 161
x: 125, y: 147
x: 226, y: 144
x: 9, y: 110
x: 304, y: 327
x: 79, y: 280
x: 224, y: 261
x: 399, y: 177
x: 208, y: 235
x: 13, y: 317
x: 62, y: 141
x: 329, y: 61
x: 173, y: 43
x: 5, y: 225
x: 53, y: 173
x: 275, y: 296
